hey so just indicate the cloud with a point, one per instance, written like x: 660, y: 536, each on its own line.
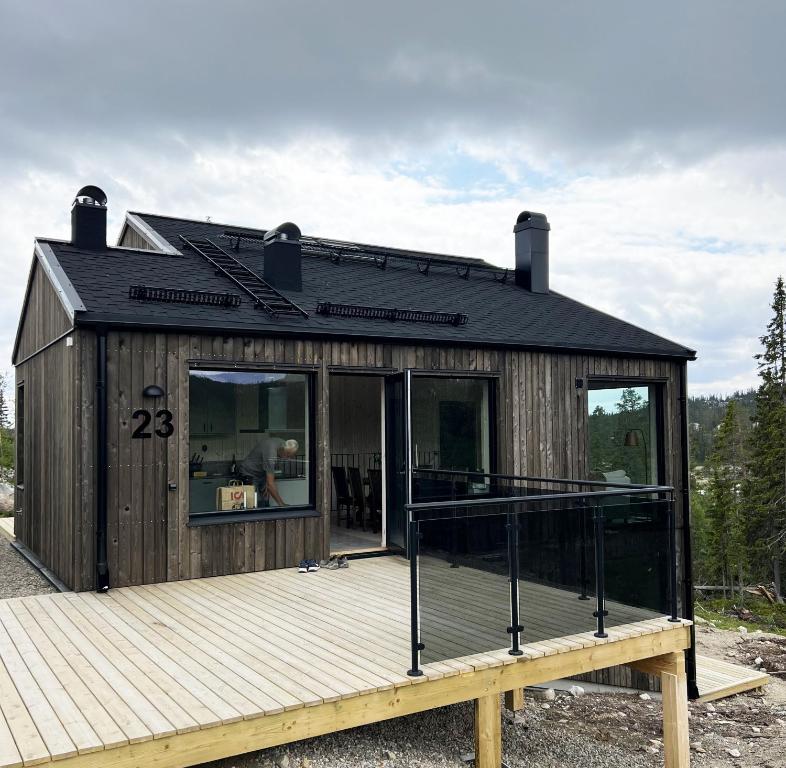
x: 652, y: 138
x: 602, y: 84
x: 680, y: 252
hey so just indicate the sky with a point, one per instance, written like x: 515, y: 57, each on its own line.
x: 653, y: 137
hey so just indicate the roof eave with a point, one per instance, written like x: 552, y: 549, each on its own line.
x: 93, y: 319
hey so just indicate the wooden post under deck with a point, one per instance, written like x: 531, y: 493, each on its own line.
x: 514, y: 700
x: 488, y: 732
x: 674, y: 684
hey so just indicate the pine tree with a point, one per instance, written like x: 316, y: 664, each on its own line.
x: 724, y: 517
x: 766, y: 491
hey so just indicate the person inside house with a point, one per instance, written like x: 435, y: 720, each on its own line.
x: 260, y: 467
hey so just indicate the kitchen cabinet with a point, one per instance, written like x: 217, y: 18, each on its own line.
x: 203, y: 493
x: 212, y: 407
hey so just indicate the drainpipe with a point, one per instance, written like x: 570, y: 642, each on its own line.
x: 102, y: 566
x: 687, y: 558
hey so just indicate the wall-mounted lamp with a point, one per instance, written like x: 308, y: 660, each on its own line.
x: 153, y: 390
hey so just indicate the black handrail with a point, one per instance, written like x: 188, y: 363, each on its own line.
x: 587, y: 502
x: 526, y: 500
x: 515, y: 629
x: 558, y: 480
x: 414, y: 628
x: 600, y: 612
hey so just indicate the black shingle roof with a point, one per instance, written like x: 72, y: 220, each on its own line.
x: 498, y: 313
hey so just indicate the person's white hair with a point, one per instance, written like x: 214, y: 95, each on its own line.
x: 290, y: 446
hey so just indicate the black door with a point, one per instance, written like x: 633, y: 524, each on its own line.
x: 396, y: 458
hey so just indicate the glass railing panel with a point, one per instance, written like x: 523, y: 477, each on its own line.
x: 464, y: 585
x: 637, y: 558
x: 556, y: 570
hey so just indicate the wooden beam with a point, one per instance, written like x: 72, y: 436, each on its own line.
x: 656, y: 665
x: 676, y: 746
x: 514, y: 700
x: 488, y: 732
x: 232, y: 739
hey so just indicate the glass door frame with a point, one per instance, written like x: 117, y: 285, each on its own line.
x: 406, y: 377
x: 398, y: 475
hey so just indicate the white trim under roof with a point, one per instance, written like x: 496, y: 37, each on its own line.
x: 148, y: 233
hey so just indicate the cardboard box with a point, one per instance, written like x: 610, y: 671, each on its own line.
x: 236, y: 496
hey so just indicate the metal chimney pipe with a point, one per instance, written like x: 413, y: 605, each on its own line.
x: 532, y: 251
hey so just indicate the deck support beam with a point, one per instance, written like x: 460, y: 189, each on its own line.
x: 488, y: 732
x: 674, y: 684
x: 514, y: 700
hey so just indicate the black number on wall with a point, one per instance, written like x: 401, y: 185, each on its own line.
x: 165, y: 429
x: 139, y: 432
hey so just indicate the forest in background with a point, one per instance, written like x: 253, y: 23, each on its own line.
x: 738, y: 473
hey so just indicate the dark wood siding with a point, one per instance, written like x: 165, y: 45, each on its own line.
x: 43, y: 317
x: 541, y: 428
x: 542, y: 425
x: 47, y: 519
x: 132, y: 239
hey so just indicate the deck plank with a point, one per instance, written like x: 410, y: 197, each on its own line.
x: 282, y: 692
x: 132, y: 727
x: 9, y: 754
x: 332, y: 672
x: 71, y: 716
x: 158, y: 724
x: 203, y: 707
x: 718, y: 679
x: 255, y: 653
x: 19, y: 723
x: 191, y: 660
x: 110, y: 733
x: 47, y: 723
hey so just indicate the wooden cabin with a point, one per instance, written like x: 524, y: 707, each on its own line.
x: 151, y: 375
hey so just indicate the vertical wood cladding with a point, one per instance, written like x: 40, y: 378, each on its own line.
x: 44, y: 318
x: 541, y: 431
x: 48, y: 516
x: 541, y: 428
x: 132, y: 239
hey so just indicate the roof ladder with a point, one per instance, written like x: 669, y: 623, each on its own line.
x: 264, y: 295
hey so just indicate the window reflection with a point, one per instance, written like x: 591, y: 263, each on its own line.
x: 623, y: 436
x: 450, y: 432
x: 249, y: 441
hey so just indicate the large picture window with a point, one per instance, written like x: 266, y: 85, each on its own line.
x: 250, y: 442
x: 624, y: 439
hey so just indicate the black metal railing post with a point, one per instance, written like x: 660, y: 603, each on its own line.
x: 583, y: 552
x: 515, y: 629
x: 672, y: 559
x: 600, y: 613
x: 416, y: 647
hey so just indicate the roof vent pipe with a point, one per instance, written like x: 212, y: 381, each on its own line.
x: 283, y: 257
x: 532, y: 251
x: 88, y: 219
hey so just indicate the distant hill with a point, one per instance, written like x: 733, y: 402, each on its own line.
x: 705, y: 413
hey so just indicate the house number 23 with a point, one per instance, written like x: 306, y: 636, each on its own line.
x: 164, y: 429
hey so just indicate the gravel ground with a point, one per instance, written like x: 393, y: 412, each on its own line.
x: 600, y: 730
x: 17, y: 577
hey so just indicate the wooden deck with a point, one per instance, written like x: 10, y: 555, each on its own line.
x: 254, y: 660
x: 7, y: 526
x: 717, y: 679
